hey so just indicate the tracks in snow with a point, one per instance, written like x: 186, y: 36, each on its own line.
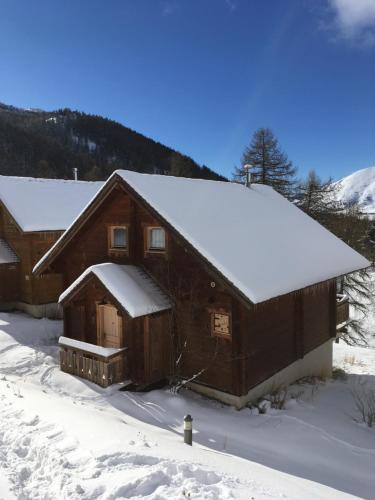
x: 43, y: 462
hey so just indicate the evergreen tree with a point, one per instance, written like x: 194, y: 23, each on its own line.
x: 370, y: 239
x: 50, y: 144
x: 318, y: 199
x: 269, y: 164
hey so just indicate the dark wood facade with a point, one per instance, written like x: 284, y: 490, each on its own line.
x: 263, y: 338
x: 17, y: 282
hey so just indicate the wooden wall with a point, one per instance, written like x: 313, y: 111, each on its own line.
x: 30, y: 247
x: 283, y: 330
x: 8, y: 282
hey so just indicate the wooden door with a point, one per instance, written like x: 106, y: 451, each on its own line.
x: 110, y: 326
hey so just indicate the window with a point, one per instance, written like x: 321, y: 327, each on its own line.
x: 156, y: 239
x: 220, y: 324
x: 119, y: 238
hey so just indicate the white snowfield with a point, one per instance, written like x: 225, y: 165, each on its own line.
x: 65, y: 438
x: 130, y: 285
x: 45, y: 204
x: 257, y: 239
x: 358, y: 187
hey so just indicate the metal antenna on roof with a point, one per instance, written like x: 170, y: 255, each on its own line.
x: 247, y: 169
x: 75, y: 173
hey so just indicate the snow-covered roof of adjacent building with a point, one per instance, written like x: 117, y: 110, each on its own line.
x: 259, y: 241
x: 7, y: 256
x: 45, y: 204
x: 137, y: 293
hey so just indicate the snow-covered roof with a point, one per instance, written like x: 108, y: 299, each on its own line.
x: 129, y: 285
x: 256, y: 238
x: 45, y: 204
x: 259, y: 241
x: 7, y: 256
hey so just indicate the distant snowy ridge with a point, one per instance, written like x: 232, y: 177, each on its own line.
x: 358, y: 188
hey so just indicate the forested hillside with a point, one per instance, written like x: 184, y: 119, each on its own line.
x: 50, y: 144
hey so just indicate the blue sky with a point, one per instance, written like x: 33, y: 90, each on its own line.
x: 202, y: 75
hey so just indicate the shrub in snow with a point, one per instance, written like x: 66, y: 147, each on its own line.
x: 364, y: 399
x: 339, y: 374
x: 275, y: 400
x: 278, y: 398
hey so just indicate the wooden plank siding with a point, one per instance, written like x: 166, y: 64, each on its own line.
x: 29, y: 247
x: 9, y: 288
x: 91, y: 367
x: 264, y: 338
x: 286, y: 329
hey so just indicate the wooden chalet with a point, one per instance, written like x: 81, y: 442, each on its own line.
x: 33, y: 215
x: 232, y: 289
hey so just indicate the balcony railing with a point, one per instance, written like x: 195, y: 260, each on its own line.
x: 342, y: 311
x: 102, y: 365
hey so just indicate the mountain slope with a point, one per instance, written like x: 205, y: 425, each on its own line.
x: 358, y: 188
x: 50, y: 144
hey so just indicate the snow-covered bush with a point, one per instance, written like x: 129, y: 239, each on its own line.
x: 278, y: 398
x: 339, y: 374
x: 364, y: 399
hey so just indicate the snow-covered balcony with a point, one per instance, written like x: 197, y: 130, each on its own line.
x: 101, y: 365
x: 342, y: 310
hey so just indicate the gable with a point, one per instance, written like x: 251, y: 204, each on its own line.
x: 85, y: 243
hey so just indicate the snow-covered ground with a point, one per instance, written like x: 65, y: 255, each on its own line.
x: 61, y: 437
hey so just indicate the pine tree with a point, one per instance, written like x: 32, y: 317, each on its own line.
x: 270, y: 165
x: 318, y: 199
x: 370, y: 239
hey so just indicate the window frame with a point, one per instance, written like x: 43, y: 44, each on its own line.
x: 111, y: 246
x: 148, y: 247
x: 222, y: 312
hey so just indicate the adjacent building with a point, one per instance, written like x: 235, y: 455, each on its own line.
x: 33, y: 215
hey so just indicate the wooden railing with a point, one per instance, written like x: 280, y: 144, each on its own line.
x: 100, y: 365
x: 342, y: 310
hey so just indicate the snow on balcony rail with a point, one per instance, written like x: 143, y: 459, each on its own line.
x: 96, y: 350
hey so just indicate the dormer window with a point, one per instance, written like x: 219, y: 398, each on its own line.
x: 118, y: 238
x: 155, y: 239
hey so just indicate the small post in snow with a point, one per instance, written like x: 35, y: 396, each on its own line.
x: 188, y: 430
x: 75, y: 173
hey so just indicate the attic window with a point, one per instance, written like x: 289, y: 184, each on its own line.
x: 220, y: 324
x: 156, y: 239
x: 118, y: 238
